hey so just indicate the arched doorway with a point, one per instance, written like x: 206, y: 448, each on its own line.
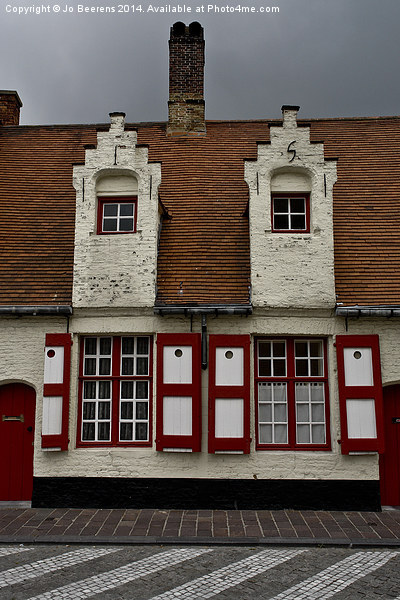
x: 17, y: 428
x: 389, y: 464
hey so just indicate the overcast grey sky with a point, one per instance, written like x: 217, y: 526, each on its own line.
x: 332, y: 57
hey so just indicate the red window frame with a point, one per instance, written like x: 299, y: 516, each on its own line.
x: 290, y: 379
x: 60, y: 389
x: 226, y: 444
x: 289, y: 196
x: 189, y: 442
x: 103, y: 200
x: 115, y: 379
x: 375, y: 392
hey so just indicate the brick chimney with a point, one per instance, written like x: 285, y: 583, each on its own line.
x: 10, y: 103
x: 186, y: 104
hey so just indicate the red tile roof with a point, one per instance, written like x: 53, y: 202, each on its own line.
x: 204, y: 247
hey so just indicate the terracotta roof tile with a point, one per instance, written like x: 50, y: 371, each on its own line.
x: 204, y: 249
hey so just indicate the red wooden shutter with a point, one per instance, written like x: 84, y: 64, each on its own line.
x: 360, y: 393
x: 178, y: 392
x: 57, y: 366
x: 229, y: 394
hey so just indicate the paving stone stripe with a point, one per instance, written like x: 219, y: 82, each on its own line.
x: 109, y: 580
x: 12, y: 550
x: 337, y: 577
x: 48, y: 565
x: 230, y: 576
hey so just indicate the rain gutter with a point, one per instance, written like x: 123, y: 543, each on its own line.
x: 368, y: 311
x: 36, y: 310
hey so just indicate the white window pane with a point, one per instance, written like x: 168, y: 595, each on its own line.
x: 280, y: 412
x: 317, y: 413
x: 318, y: 434
x: 279, y: 392
x: 265, y: 413
x: 264, y: 392
x: 280, y: 432
x: 265, y: 434
x: 317, y: 392
x: 302, y: 392
x: 303, y: 434
x: 303, y: 413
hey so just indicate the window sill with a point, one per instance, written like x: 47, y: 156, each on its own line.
x: 299, y: 448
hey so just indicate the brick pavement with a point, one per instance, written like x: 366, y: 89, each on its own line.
x: 70, y: 525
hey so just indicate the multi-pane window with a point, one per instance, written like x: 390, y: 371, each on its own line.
x: 291, y: 213
x: 115, y: 390
x: 292, y: 393
x: 117, y: 215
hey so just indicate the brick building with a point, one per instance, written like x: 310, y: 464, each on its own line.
x: 200, y: 313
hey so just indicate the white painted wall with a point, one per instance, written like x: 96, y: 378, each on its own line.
x: 22, y: 342
x: 116, y: 270
x: 22, y: 359
x: 289, y: 269
x: 146, y: 462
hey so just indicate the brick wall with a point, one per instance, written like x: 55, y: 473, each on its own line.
x: 10, y: 105
x: 186, y: 79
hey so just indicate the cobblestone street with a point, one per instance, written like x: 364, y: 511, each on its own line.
x: 56, y: 572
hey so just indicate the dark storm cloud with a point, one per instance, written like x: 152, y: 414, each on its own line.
x: 337, y: 58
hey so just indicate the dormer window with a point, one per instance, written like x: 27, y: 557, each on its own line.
x: 117, y: 215
x: 117, y: 204
x: 290, y: 213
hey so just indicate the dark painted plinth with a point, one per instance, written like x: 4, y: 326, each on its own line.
x: 223, y: 494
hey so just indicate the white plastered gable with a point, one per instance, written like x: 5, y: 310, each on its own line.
x: 116, y: 270
x: 291, y: 269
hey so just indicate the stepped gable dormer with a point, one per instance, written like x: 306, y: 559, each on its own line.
x: 291, y: 219
x: 117, y: 221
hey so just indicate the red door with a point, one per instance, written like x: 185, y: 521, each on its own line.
x: 17, y: 423
x: 390, y: 461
